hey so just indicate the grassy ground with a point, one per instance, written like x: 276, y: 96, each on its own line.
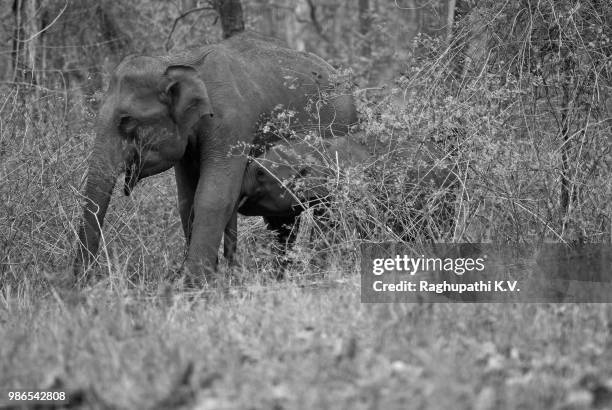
x: 133, y: 341
x: 302, y: 346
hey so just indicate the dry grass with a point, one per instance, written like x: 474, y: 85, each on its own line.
x: 290, y: 346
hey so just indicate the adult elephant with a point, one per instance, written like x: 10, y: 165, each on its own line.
x: 187, y: 111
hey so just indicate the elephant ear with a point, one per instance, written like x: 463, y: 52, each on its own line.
x: 186, y: 96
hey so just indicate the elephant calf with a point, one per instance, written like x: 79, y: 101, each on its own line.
x: 286, y: 179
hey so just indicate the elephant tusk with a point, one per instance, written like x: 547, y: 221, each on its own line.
x: 242, y: 201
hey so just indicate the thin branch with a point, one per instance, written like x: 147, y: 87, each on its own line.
x: 182, y: 16
x: 280, y: 6
x: 49, y: 25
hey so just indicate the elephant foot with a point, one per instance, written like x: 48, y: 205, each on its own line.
x: 193, y: 283
x: 283, y: 266
x: 85, y: 274
x: 197, y: 276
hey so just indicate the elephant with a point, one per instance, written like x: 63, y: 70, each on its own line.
x: 286, y: 179
x: 189, y: 111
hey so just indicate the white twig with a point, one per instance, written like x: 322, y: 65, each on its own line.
x: 50, y: 24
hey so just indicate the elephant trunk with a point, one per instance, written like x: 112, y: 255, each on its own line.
x: 105, y: 164
x: 143, y: 166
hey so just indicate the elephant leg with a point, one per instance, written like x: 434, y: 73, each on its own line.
x: 214, y: 204
x: 186, y: 185
x: 230, y: 237
x: 286, y: 228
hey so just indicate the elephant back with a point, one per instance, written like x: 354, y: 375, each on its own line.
x: 251, y: 71
x: 314, y: 162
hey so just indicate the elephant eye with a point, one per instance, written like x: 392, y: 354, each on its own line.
x: 127, y: 125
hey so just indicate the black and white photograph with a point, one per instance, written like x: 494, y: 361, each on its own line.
x: 305, y: 204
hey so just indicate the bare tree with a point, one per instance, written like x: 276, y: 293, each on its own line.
x: 450, y: 20
x: 111, y: 31
x: 24, y: 48
x: 365, y: 21
x: 182, y: 16
x: 230, y: 13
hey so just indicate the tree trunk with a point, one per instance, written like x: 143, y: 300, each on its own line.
x: 17, y: 36
x: 44, y: 21
x: 111, y: 30
x: 24, y: 48
x: 268, y: 20
x: 24, y: 53
x: 230, y: 13
x: 365, y: 20
x: 565, y: 150
x: 450, y: 20
x: 295, y: 25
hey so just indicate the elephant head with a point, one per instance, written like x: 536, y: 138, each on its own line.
x: 287, y: 178
x: 266, y: 187
x: 150, y: 113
